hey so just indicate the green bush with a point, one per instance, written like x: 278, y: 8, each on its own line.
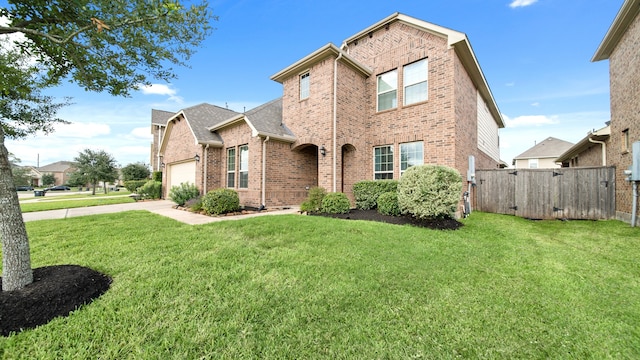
x: 388, y: 204
x: 194, y: 204
x: 185, y: 191
x: 133, y: 185
x: 221, y: 201
x: 429, y: 191
x: 150, y: 190
x: 366, y: 192
x: 335, y: 203
x: 157, y: 176
x: 313, y: 203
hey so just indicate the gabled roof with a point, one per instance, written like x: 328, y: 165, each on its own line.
x: 584, y: 144
x: 456, y: 40
x: 199, y: 118
x: 317, y: 56
x: 548, y: 148
x: 264, y: 120
x: 160, y: 117
x: 624, y: 18
x: 59, y: 166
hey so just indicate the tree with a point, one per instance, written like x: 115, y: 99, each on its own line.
x: 96, y: 166
x: 48, y: 179
x: 101, y: 45
x: 21, y: 174
x: 135, y: 171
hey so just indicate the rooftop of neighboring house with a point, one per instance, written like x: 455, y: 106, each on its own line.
x: 548, y: 148
x: 599, y: 135
x: 59, y: 166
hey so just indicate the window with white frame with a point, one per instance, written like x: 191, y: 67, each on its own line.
x: 304, y: 86
x: 411, y: 154
x: 388, y: 90
x: 383, y: 162
x: 243, y: 170
x: 533, y: 163
x: 231, y: 167
x: 415, y: 82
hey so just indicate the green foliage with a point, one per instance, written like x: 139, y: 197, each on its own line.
x: 221, y: 201
x: 150, y: 190
x: 133, y: 185
x: 335, y: 203
x: 194, y: 204
x: 96, y: 166
x: 157, y: 176
x: 388, y: 203
x: 76, y: 178
x: 313, y: 203
x: 135, y: 171
x: 182, y: 193
x: 48, y: 180
x: 366, y: 192
x: 429, y: 191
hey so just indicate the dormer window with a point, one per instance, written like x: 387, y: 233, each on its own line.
x: 304, y: 86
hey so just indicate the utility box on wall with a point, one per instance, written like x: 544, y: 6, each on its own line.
x: 635, y: 165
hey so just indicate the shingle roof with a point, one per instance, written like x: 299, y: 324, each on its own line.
x: 59, y: 166
x: 160, y: 117
x: 267, y: 119
x: 548, y: 148
x: 203, y: 116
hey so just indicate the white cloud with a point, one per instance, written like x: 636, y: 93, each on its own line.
x: 143, y: 133
x: 82, y: 130
x: 529, y: 120
x: 162, y: 89
x: 522, y: 3
x: 536, y: 104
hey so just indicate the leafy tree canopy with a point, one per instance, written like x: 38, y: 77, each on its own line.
x: 96, y: 166
x: 135, y: 171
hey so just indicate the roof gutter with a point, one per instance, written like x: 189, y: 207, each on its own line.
x: 604, y: 149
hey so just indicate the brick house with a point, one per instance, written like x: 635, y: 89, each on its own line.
x: 542, y: 155
x: 620, y: 46
x: 61, y: 171
x: 399, y: 93
x: 590, y: 151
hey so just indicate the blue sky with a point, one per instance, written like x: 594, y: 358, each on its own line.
x: 535, y: 55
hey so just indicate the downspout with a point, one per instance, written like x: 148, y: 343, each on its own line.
x: 635, y: 204
x: 264, y: 173
x: 204, y: 176
x: 158, y: 167
x: 604, y: 150
x: 335, y: 118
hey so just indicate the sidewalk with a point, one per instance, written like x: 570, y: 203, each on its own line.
x: 161, y: 207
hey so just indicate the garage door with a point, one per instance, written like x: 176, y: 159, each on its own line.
x: 182, y: 173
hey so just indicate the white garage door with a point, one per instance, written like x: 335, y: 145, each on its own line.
x: 182, y: 173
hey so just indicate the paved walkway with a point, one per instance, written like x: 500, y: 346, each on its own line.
x: 160, y: 207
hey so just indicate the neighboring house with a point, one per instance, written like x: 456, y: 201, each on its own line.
x: 543, y: 155
x: 589, y: 151
x: 401, y: 92
x: 158, y: 125
x: 621, y: 46
x: 61, y: 171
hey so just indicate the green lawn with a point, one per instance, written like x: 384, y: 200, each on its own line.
x: 297, y: 287
x: 74, y: 201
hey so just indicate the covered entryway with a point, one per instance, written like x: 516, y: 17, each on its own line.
x: 181, y: 173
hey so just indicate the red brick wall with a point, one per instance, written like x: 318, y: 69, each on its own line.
x: 181, y: 146
x: 624, y: 70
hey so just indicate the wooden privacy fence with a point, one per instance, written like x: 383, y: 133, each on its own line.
x: 563, y: 193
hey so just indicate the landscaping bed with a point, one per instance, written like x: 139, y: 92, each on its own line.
x: 374, y: 215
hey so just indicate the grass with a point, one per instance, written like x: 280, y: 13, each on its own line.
x: 74, y: 201
x: 311, y: 287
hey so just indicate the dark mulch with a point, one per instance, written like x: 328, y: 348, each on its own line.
x: 55, y: 291
x: 374, y: 215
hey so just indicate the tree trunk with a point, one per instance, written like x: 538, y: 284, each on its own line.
x: 16, y: 259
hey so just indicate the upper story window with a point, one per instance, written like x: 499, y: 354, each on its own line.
x: 383, y: 162
x: 411, y: 154
x: 533, y: 163
x: 304, y: 86
x: 388, y: 90
x: 415, y: 82
x: 243, y: 171
x: 231, y: 167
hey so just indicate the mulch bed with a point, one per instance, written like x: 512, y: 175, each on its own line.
x: 55, y: 291
x: 61, y: 289
x: 374, y: 215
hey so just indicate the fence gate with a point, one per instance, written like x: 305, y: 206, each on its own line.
x: 563, y: 193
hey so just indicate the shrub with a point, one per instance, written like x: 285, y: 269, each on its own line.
x: 150, y: 190
x: 157, y: 176
x: 221, y: 201
x: 133, y: 185
x: 194, y: 204
x: 313, y: 203
x: 429, y: 191
x: 388, y: 204
x: 185, y: 191
x: 366, y: 192
x: 335, y: 203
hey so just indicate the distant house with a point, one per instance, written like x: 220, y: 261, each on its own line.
x: 621, y: 47
x: 543, y: 155
x: 61, y: 170
x: 589, y: 151
x: 399, y: 93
